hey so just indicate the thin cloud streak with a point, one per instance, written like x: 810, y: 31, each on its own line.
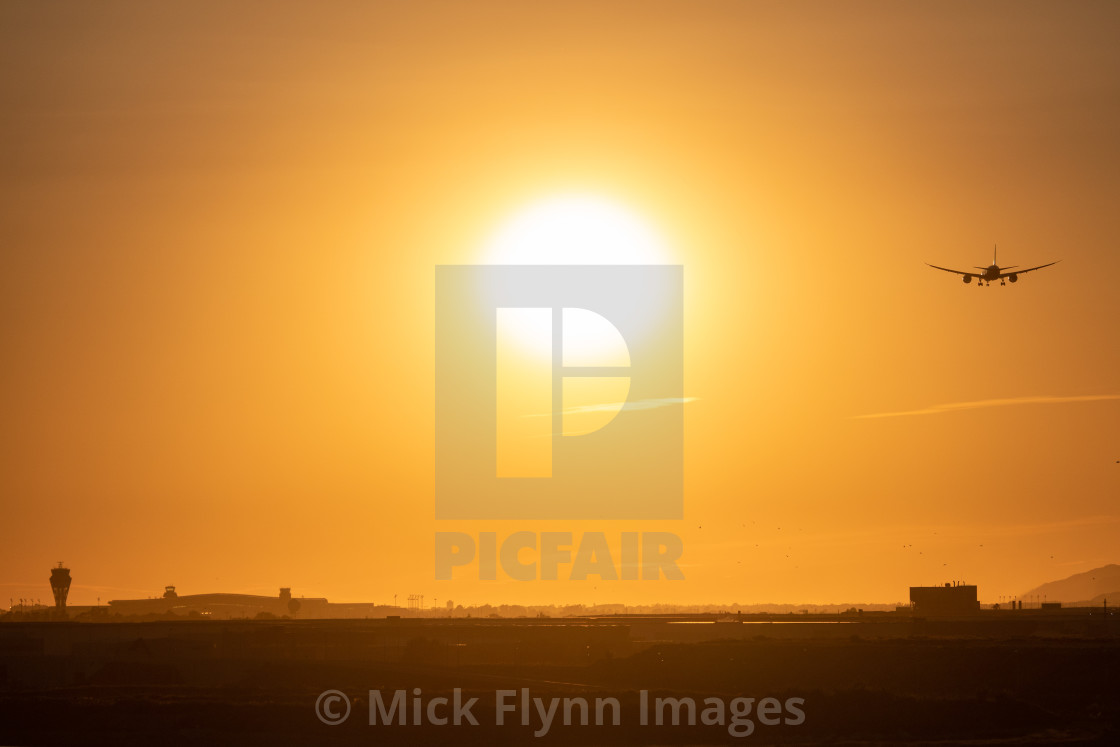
x: 641, y: 404
x: 956, y: 406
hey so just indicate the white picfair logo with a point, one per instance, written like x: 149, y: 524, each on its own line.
x: 538, y: 400
x: 558, y: 392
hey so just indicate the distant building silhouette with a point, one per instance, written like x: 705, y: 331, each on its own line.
x: 60, y: 585
x: 948, y: 600
x: 220, y: 605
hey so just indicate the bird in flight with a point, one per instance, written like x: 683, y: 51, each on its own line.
x: 986, y: 275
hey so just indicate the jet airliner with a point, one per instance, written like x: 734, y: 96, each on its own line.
x: 993, y: 272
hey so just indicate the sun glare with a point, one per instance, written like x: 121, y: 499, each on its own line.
x: 565, y: 230
x: 576, y: 230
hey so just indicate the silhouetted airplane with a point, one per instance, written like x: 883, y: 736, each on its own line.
x: 993, y: 272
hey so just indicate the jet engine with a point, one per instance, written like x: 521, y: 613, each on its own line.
x: 968, y: 278
x: 1013, y: 278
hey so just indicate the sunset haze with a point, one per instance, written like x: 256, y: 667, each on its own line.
x: 221, y: 222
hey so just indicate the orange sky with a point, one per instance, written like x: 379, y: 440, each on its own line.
x: 220, y: 226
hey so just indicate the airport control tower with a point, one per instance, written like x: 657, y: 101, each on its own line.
x: 60, y: 585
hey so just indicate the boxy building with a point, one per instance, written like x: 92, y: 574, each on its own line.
x: 941, y: 601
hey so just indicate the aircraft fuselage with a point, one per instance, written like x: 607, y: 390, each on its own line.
x: 991, y: 273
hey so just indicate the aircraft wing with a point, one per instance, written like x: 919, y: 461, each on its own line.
x: 1003, y: 274
x: 959, y: 272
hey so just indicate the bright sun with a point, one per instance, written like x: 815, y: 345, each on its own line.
x: 573, y: 229
x: 567, y: 230
x: 563, y: 230
x: 576, y: 230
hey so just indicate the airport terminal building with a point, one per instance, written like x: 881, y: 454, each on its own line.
x: 221, y: 605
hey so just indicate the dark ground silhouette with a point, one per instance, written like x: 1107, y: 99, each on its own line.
x: 207, y: 682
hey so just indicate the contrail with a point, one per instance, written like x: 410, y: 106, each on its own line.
x: 955, y: 406
x: 641, y: 404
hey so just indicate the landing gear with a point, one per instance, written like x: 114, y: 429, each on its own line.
x: 1003, y: 282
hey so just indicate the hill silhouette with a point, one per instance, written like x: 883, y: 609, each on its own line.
x: 1113, y: 598
x: 1081, y: 587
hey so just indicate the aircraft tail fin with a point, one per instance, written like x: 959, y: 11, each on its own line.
x: 995, y: 254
